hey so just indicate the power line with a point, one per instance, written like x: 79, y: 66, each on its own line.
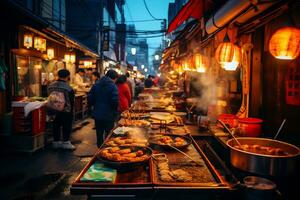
x: 136, y: 32
x: 154, y: 36
x: 150, y: 12
x: 128, y: 11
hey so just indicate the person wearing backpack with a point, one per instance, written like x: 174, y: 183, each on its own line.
x: 61, y: 100
x: 104, y: 98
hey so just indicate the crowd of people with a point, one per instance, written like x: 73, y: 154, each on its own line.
x: 108, y: 97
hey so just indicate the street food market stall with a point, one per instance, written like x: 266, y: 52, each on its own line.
x: 36, y: 59
x: 138, y: 160
x: 239, y: 74
x: 153, y: 153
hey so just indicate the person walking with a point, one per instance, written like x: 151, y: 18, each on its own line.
x: 131, y: 85
x: 149, y: 82
x: 64, y: 117
x: 104, y: 98
x: 124, y: 93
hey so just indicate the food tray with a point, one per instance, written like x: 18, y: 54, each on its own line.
x: 139, y: 177
x: 203, y: 176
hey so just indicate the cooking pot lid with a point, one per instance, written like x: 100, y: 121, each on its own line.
x: 250, y: 120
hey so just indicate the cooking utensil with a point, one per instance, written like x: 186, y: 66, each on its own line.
x: 263, y: 164
x: 258, y: 188
x: 224, y: 125
x: 198, y: 163
x: 283, y: 122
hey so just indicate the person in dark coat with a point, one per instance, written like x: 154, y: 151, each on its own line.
x: 149, y: 82
x: 104, y: 98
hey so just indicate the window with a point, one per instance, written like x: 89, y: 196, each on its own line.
x: 29, y: 75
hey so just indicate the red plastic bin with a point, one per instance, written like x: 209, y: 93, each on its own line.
x: 35, y: 123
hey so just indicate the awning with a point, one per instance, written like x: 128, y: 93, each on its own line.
x: 72, y: 42
x: 194, y: 9
x: 63, y: 39
x: 175, y: 49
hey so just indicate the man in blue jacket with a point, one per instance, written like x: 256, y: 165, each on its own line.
x: 104, y: 97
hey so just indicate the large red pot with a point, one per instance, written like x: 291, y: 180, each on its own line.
x: 249, y: 127
x: 229, y: 119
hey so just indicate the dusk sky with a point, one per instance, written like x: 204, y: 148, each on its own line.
x: 135, y: 10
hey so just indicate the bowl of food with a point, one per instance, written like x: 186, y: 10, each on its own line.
x: 167, y: 141
x: 264, y: 156
x: 124, y: 157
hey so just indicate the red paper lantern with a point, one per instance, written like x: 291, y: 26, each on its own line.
x: 228, y: 55
x: 285, y: 43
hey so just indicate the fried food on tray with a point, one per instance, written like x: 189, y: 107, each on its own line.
x: 123, y: 155
x: 164, y: 171
x: 134, y: 115
x: 123, y: 141
x: 114, y: 149
x: 181, y: 175
x: 133, y: 122
x: 124, y: 151
x: 139, y: 153
x: 167, y: 140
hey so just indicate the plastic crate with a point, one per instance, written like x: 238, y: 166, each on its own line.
x: 35, y: 122
x: 38, y: 120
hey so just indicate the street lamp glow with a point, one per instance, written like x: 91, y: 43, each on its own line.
x: 146, y: 69
x: 156, y: 57
x: 133, y: 50
x: 142, y: 66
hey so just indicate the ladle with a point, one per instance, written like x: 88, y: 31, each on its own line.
x: 224, y: 125
x: 282, y: 123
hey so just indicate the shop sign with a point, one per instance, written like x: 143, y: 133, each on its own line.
x: 27, y: 41
x: 105, y: 38
x: 40, y: 44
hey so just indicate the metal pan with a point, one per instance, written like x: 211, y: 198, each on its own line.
x: 126, y: 165
x: 154, y: 143
x: 263, y: 164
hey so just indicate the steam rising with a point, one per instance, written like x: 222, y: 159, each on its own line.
x: 206, y: 88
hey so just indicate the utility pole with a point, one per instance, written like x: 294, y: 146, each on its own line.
x: 100, y: 40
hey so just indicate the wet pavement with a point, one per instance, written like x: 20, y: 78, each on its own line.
x: 47, y: 173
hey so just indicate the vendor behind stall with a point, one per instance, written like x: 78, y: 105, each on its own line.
x: 95, y: 77
x: 80, y: 85
x: 88, y: 76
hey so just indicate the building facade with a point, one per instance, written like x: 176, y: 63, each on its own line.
x: 53, y: 11
x: 100, y: 25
